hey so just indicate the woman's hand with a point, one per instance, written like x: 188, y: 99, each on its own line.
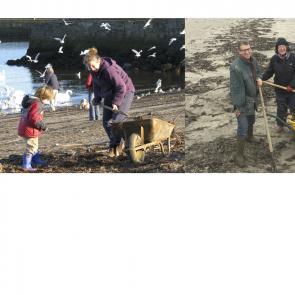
x: 115, y: 108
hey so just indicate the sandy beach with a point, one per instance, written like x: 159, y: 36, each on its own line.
x: 210, y: 121
x: 75, y: 144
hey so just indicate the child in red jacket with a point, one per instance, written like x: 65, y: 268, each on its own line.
x: 31, y: 125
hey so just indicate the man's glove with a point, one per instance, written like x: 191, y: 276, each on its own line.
x: 289, y: 88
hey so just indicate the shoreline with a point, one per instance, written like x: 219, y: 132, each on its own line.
x: 73, y: 144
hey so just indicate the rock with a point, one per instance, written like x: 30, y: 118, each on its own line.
x: 167, y: 67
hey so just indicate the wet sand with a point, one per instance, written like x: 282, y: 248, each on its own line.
x: 210, y: 121
x: 75, y: 144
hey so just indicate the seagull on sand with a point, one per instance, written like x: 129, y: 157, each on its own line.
x: 172, y: 40
x: 42, y: 75
x: 182, y: 33
x: 106, y: 26
x: 84, y: 52
x: 137, y: 53
x: 153, y: 55
x: 33, y: 60
x: 154, y: 47
x: 148, y: 23
x: 182, y: 47
x: 66, y: 23
x: 60, y: 49
x: 78, y: 75
x: 61, y: 41
x: 158, y: 85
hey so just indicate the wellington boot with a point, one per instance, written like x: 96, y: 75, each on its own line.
x: 239, y: 156
x: 250, y: 137
x: 27, y: 163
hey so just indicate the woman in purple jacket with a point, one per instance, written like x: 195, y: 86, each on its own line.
x: 112, y: 85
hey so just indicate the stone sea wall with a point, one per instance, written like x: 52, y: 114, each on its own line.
x: 125, y: 34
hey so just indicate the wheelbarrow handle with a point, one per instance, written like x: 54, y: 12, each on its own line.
x: 114, y: 111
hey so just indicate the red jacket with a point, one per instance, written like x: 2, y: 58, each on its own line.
x: 31, y: 121
x: 89, y: 83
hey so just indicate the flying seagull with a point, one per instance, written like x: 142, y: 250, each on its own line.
x: 78, y: 75
x: 148, y: 23
x: 153, y: 55
x: 61, y: 41
x: 172, y: 40
x: 154, y: 47
x: 137, y: 53
x: 60, y: 49
x: 42, y: 75
x: 66, y: 23
x: 84, y: 52
x: 106, y: 26
x: 183, y: 32
x: 33, y: 60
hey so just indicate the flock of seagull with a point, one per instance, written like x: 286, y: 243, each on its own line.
x: 107, y: 26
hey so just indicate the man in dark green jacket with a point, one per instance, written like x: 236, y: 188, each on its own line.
x: 244, y: 72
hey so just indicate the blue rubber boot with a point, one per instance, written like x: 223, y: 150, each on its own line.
x: 36, y: 160
x: 27, y: 163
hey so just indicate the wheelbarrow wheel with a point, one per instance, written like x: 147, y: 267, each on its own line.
x: 136, y: 156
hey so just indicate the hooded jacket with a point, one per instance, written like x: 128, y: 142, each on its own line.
x: 31, y: 121
x: 111, y: 82
x: 283, y: 69
x: 51, y: 80
x: 243, y: 86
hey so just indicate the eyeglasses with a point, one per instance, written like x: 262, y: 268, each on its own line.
x: 246, y: 49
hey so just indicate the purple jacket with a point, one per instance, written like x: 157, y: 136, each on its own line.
x: 111, y: 82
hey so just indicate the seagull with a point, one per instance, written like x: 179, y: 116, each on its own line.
x: 148, y: 23
x: 154, y: 47
x: 158, y: 85
x: 182, y: 33
x: 78, y: 75
x: 182, y: 47
x: 61, y: 41
x: 42, y: 75
x: 33, y: 60
x: 172, y: 40
x: 84, y: 52
x: 60, y: 49
x: 66, y: 23
x: 153, y: 55
x: 137, y: 53
x: 106, y: 26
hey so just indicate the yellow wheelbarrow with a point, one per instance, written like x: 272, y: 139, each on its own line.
x: 143, y: 132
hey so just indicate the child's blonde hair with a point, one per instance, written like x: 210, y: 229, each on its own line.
x: 91, y: 55
x: 44, y: 92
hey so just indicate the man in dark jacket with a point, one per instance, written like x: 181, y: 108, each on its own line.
x: 282, y: 65
x: 244, y: 72
x: 51, y: 80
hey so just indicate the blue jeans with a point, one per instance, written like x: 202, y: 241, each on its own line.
x: 109, y: 117
x: 93, y: 110
x: 284, y: 100
x: 244, y: 122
